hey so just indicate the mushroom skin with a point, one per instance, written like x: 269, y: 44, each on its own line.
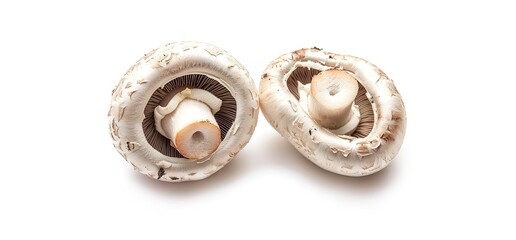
x: 345, y: 155
x: 158, y: 68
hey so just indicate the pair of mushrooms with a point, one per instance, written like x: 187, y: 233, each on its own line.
x: 186, y: 109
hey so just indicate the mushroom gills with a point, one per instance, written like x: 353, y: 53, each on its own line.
x: 187, y: 119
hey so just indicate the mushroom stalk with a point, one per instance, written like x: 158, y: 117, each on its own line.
x: 329, y: 100
x: 193, y: 129
x: 188, y: 121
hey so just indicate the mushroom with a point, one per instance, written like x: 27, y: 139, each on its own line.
x: 183, y: 111
x: 341, y: 112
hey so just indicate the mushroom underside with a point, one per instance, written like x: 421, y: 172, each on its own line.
x: 304, y: 75
x: 224, y: 117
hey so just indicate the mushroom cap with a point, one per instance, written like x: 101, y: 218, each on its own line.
x: 345, y: 155
x: 153, y: 72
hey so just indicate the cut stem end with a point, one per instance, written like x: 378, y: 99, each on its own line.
x: 197, y: 140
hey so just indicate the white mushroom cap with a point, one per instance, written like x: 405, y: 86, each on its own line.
x: 160, y: 73
x: 379, y: 134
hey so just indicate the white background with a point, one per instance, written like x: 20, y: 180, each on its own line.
x: 453, y: 63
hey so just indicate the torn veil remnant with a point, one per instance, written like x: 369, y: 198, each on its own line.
x: 353, y: 117
x: 172, y: 112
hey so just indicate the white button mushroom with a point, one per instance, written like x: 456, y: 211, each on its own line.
x: 339, y: 111
x: 183, y: 111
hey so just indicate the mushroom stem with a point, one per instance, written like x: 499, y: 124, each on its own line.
x: 330, y: 102
x: 194, y: 131
x: 188, y: 121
